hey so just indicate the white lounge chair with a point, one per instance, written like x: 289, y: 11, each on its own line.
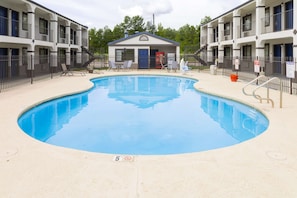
x: 185, y: 68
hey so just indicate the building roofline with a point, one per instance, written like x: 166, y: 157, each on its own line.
x: 140, y: 33
x: 56, y: 13
x: 241, y: 5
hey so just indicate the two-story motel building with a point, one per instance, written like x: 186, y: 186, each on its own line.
x: 258, y: 29
x: 35, y: 38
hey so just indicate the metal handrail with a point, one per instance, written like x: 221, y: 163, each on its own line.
x: 269, y: 99
x: 256, y: 79
x: 261, y: 85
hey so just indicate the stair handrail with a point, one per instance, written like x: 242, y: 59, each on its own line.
x: 268, y: 98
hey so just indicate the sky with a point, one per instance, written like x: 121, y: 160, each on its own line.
x: 170, y: 13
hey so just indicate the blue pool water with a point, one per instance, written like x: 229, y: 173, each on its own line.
x: 145, y: 115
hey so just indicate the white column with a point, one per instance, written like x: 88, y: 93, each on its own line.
x: 68, y: 56
x: 221, y: 38
x: 295, y: 31
x: 31, y: 20
x: 236, y: 33
x: 209, y: 40
x: 31, y: 29
x: 30, y: 57
x: 236, y: 24
x: 79, y: 43
x: 221, y: 30
x: 260, y: 14
x: 68, y: 32
x: 68, y: 50
x: 54, y: 40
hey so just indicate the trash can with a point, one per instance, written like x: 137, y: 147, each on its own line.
x: 213, y: 69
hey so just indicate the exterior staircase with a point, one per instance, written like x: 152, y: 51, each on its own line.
x: 91, y: 57
x: 196, y: 55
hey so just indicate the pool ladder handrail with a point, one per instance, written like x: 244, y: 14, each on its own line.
x: 262, y: 85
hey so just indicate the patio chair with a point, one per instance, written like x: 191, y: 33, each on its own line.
x: 172, y: 65
x: 129, y: 64
x: 65, y: 70
x: 124, y: 65
x: 112, y: 65
x: 163, y: 66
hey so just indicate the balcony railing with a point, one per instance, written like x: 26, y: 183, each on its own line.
x: 277, y: 22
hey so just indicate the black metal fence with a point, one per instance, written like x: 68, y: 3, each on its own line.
x: 17, y: 70
x: 274, y: 67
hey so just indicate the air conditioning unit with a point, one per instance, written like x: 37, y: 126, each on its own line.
x: 226, y: 38
x: 245, y: 34
x: 44, y: 37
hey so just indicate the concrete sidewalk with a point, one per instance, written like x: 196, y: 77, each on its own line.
x: 265, y: 166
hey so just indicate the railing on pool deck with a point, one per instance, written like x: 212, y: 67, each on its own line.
x: 265, y: 83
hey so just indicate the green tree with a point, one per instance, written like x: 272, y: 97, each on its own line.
x: 94, y: 40
x: 188, y: 36
x: 118, y: 32
x: 166, y: 32
x: 133, y: 24
x: 205, y: 20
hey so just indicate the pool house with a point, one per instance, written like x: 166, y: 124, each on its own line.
x: 146, y: 50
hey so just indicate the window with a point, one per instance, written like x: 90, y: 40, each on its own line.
x: 43, y: 55
x: 247, y: 52
x: 227, y: 52
x: 277, y: 18
x: 215, y: 34
x: 124, y: 54
x: 226, y: 29
x: 73, y: 36
x: 43, y: 26
x: 247, y: 23
x: 62, y: 31
x: 289, y: 15
x: 25, y: 21
x: 3, y: 21
x: 289, y: 51
x: 14, y: 23
x: 267, y: 16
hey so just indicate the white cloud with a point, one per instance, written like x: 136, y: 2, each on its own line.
x: 170, y: 13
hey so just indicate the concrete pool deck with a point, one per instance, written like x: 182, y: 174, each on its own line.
x: 265, y: 166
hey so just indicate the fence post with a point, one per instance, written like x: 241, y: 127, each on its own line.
x: 31, y: 67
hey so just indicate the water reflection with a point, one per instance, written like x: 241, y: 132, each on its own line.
x: 43, y: 121
x: 145, y: 92
x: 238, y: 120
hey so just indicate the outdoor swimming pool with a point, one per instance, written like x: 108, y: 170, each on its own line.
x: 143, y: 115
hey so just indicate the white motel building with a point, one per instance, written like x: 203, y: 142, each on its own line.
x: 264, y: 30
x: 35, y: 38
